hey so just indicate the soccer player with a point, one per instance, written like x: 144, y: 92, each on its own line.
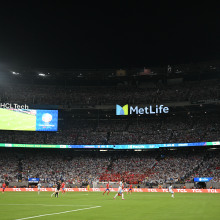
x: 120, y: 190
x: 39, y: 186
x: 107, y: 189
x: 56, y: 192
x: 88, y: 187
x: 3, y: 187
x: 171, y: 191
x: 63, y: 187
x: 130, y: 189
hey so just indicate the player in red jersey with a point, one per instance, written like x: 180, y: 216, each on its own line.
x: 63, y: 187
x: 130, y: 189
x: 3, y: 187
x: 107, y: 189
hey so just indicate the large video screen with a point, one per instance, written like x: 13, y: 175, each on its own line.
x: 28, y: 119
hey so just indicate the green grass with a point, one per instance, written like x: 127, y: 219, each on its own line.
x: 17, y: 205
x: 10, y: 120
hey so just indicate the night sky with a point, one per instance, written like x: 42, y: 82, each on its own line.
x: 63, y: 34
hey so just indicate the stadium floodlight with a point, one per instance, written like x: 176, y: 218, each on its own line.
x: 42, y: 74
x: 15, y: 73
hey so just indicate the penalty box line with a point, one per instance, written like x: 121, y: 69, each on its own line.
x: 58, y: 213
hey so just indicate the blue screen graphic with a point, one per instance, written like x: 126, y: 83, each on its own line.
x: 47, y: 120
x: 34, y: 180
x: 202, y: 179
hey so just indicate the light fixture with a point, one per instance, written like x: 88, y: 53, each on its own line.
x: 15, y: 73
x: 41, y: 74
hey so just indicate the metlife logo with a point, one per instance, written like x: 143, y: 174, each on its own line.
x: 122, y: 110
x: 148, y: 110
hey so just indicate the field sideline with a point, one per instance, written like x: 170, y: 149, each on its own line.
x: 93, y: 205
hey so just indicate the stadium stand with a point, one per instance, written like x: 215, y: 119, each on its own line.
x: 70, y: 96
x: 87, y: 117
x: 171, y: 129
x: 83, y: 167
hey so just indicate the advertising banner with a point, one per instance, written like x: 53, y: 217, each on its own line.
x: 113, y: 190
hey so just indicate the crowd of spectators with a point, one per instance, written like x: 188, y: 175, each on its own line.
x: 130, y: 168
x: 8, y: 166
x: 70, y: 96
x: 77, y: 169
x: 210, y: 167
x: 170, y: 129
x: 176, y: 166
x: 204, y: 127
x: 152, y: 167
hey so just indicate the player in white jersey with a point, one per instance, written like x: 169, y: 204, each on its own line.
x: 171, y: 191
x: 39, y: 186
x: 120, y: 190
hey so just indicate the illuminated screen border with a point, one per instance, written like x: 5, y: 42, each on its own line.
x: 116, y: 147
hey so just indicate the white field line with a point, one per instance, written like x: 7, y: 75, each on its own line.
x: 58, y: 213
x: 41, y: 205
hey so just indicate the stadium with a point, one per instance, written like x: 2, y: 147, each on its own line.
x: 93, y: 145
x: 109, y: 111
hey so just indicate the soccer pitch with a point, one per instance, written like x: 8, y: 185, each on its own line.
x: 10, y: 120
x: 93, y: 205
